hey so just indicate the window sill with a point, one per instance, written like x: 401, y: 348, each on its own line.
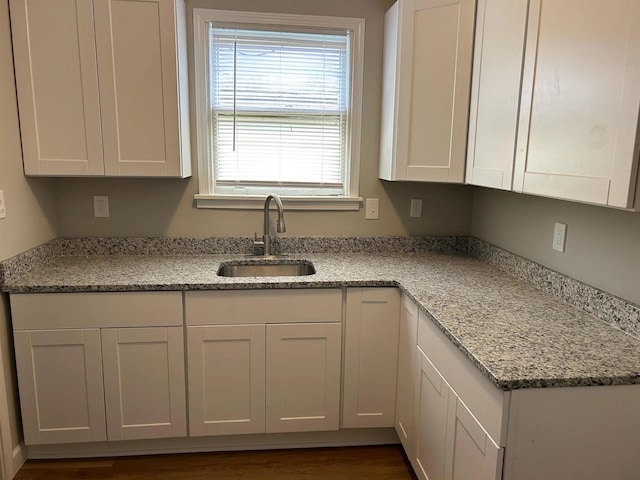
x: 256, y: 202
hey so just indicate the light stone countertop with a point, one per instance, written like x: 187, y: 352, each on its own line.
x: 518, y: 336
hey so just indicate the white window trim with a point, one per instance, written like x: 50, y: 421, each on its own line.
x: 207, y: 198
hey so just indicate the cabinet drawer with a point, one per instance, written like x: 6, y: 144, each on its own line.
x: 488, y: 403
x: 232, y: 307
x: 34, y: 311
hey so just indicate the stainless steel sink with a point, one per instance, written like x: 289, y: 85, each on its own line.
x: 261, y: 269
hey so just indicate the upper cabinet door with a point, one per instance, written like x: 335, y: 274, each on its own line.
x: 495, y: 92
x: 136, y: 50
x: 426, y: 83
x: 102, y: 87
x: 57, y: 86
x: 580, y: 101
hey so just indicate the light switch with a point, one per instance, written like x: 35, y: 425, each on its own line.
x: 371, y: 207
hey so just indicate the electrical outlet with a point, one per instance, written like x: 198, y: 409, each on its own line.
x: 416, y: 208
x: 371, y: 208
x: 559, y: 237
x: 101, y: 206
x: 3, y: 208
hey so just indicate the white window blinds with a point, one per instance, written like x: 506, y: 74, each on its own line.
x: 279, y: 111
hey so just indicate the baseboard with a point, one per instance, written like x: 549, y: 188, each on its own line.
x: 18, y: 457
x: 340, y: 438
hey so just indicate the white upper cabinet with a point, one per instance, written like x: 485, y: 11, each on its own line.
x: 495, y: 93
x: 555, y: 99
x: 102, y: 87
x: 426, y: 85
x: 578, y: 128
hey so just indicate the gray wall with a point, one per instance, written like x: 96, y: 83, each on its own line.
x: 159, y: 207
x: 30, y: 204
x: 602, y: 244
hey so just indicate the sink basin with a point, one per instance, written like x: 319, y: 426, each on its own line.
x: 261, y: 269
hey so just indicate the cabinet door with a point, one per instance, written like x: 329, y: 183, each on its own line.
x: 136, y: 50
x: 470, y: 452
x: 430, y: 421
x: 580, y: 101
x: 144, y: 382
x: 61, y: 390
x: 495, y: 92
x: 436, y: 43
x: 226, y: 379
x: 406, y: 372
x: 57, y: 84
x: 371, y: 357
x: 303, y: 377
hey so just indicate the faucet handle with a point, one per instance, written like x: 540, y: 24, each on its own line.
x: 256, y: 242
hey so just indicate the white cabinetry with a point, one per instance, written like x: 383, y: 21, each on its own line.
x: 144, y: 382
x: 580, y: 102
x: 102, y: 87
x: 303, y: 377
x: 107, y: 381
x: 264, y: 361
x: 371, y: 357
x: 229, y: 359
x: 408, y: 339
x: 555, y: 87
x: 426, y: 82
x: 495, y: 94
x: 61, y: 388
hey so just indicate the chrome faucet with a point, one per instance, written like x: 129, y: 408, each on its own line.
x: 280, y: 226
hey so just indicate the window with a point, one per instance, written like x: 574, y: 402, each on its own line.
x: 278, y: 101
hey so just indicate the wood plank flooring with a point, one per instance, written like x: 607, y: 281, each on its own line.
x: 344, y: 463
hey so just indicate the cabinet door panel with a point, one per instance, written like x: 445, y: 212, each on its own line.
x: 579, y: 115
x: 440, y: 55
x: 61, y: 388
x: 471, y: 453
x: 430, y: 420
x: 136, y: 50
x: 226, y: 379
x: 57, y: 87
x: 303, y: 377
x: 495, y: 93
x: 406, y: 372
x: 371, y: 356
x: 144, y: 382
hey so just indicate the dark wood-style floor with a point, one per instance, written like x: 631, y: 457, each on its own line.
x: 348, y: 463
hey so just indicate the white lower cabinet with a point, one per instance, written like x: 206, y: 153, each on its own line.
x: 264, y: 361
x: 226, y: 379
x: 408, y: 339
x: 104, y: 382
x: 144, y: 382
x: 371, y: 357
x: 61, y: 388
x: 303, y: 377
x: 450, y: 442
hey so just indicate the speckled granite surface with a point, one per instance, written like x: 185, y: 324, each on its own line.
x: 609, y: 308
x: 516, y: 334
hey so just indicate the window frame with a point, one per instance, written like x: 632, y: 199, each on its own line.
x: 207, y: 197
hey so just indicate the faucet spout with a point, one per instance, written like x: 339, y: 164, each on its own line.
x: 280, y: 226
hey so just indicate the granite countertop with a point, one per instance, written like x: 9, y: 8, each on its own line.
x: 518, y: 336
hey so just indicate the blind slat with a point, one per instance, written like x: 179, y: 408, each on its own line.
x: 279, y: 109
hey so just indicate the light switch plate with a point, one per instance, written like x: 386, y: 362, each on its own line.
x: 416, y: 208
x: 371, y: 206
x: 3, y: 208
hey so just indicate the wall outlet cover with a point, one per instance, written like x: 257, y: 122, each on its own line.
x: 559, y: 236
x: 101, y: 206
x: 371, y: 208
x: 3, y: 208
